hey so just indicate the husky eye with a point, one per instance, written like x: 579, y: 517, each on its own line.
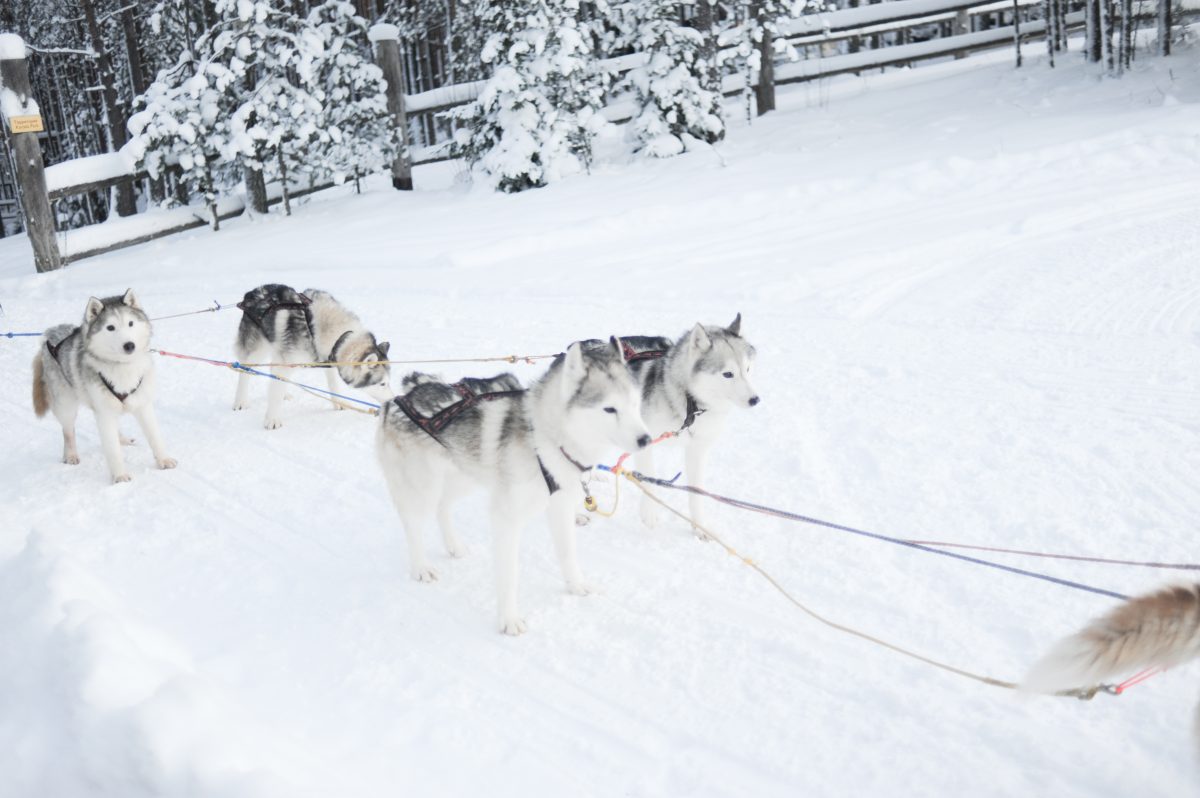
x: 111, y: 328
x: 728, y: 375
x: 612, y: 410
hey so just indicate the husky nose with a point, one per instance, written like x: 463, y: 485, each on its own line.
x: 129, y: 347
x: 643, y: 441
x: 754, y: 400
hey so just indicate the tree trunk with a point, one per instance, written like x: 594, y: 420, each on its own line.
x: 137, y: 74
x: 387, y: 56
x: 256, y: 189
x: 710, y: 79
x: 1127, y: 42
x: 1164, y: 27
x: 1106, y: 24
x: 764, y: 92
x: 283, y: 181
x: 1093, y: 37
x: 1017, y: 31
x: 114, y: 108
x: 1048, y: 18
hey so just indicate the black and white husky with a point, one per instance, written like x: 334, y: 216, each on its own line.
x: 528, y: 448
x: 689, y: 387
x: 104, y: 364
x: 281, y: 325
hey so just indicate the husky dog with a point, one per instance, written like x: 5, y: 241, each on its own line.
x: 283, y: 326
x: 690, y: 386
x: 104, y: 364
x: 1159, y: 630
x: 528, y: 448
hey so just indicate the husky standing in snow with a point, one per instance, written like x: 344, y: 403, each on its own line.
x: 690, y: 386
x: 529, y: 448
x: 1159, y: 630
x: 103, y: 364
x: 281, y: 325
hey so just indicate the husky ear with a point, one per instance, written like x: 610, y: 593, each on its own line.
x: 700, y: 340
x: 618, y: 347
x: 573, y: 367
x: 94, y: 308
x: 130, y: 300
x: 383, y: 348
x: 736, y: 327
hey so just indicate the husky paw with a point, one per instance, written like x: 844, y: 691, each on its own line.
x: 128, y: 441
x: 272, y: 423
x: 513, y: 626
x: 338, y: 406
x: 456, y: 550
x: 167, y: 462
x: 582, y: 520
x: 580, y: 588
x: 71, y: 459
x: 701, y: 534
x: 122, y: 478
x: 650, y: 514
x: 424, y: 574
x: 240, y: 405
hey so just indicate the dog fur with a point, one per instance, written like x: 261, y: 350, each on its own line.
x: 584, y: 406
x: 712, y: 365
x: 280, y: 325
x: 104, y: 364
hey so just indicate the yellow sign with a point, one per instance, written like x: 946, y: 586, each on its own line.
x: 26, y: 124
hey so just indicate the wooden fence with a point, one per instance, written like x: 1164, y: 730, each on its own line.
x: 812, y: 35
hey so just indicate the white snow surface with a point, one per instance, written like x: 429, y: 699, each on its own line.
x: 975, y: 299
x: 12, y: 47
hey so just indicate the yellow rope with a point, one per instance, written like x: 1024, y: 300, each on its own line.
x: 1082, y: 693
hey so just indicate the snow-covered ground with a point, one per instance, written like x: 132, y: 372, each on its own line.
x: 976, y: 301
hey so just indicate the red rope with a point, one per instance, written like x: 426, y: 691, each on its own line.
x: 1137, y: 679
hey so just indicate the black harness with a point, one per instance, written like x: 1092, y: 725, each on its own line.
x: 258, y: 313
x: 433, y: 425
x: 54, y: 349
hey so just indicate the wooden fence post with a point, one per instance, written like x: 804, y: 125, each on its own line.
x: 386, y: 39
x: 764, y: 92
x: 24, y: 123
x: 962, y: 26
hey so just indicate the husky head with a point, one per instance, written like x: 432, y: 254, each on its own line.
x: 116, y: 328
x: 603, y: 405
x: 721, y: 360
x: 373, y: 376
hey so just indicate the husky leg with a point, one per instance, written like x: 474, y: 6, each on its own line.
x: 649, y: 511
x: 275, y: 392
x: 454, y: 546
x: 241, y: 400
x: 506, y: 544
x: 331, y: 378
x: 149, y: 423
x: 110, y: 442
x: 66, y: 412
x: 561, y: 515
x: 411, y: 502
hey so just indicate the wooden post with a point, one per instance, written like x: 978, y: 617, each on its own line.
x: 386, y: 39
x: 764, y: 93
x: 962, y: 26
x: 27, y: 153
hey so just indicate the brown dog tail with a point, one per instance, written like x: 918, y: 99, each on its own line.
x: 1160, y: 630
x: 41, y: 394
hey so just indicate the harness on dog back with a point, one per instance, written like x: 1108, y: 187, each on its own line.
x: 54, y: 348
x: 258, y: 312
x: 637, y: 348
x: 469, y: 395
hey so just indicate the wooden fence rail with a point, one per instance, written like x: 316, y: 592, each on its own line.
x: 99, y: 172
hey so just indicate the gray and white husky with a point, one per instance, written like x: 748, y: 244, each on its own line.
x: 281, y: 325
x: 690, y: 386
x: 104, y: 364
x: 528, y: 448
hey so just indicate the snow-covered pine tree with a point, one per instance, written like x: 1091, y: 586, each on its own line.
x: 538, y: 113
x: 362, y: 136
x: 277, y: 108
x: 675, y: 108
x: 181, y: 123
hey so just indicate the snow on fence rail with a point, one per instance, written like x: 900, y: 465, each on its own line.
x: 39, y: 186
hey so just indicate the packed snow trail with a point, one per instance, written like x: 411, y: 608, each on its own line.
x: 975, y: 300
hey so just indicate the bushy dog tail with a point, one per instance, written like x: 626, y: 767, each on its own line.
x: 41, y: 394
x: 1157, y: 630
